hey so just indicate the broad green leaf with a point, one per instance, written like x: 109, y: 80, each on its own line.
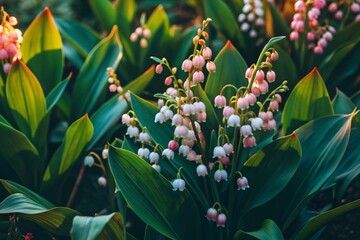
x: 76, y: 138
x: 81, y: 37
x: 91, y: 85
x: 230, y: 69
x: 349, y: 166
x: 319, y: 137
x: 104, y: 12
x: 97, y: 228
x: 42, y: 50
x: 25, y: 97
x: 13, y: 187
x: 172, y: 213
x: 20, y: 154
x: 316, y: 223
x: 268, y: 231
x: 111, y: 111
x: 342, y: 104
x: 55, y: 94
x: 309, y: 100
x: 56, y: 220
x: 224, y: 21
x: 268, y: 172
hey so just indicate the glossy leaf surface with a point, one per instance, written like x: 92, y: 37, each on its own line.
x: 268, y: 231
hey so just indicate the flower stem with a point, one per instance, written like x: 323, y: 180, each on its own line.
x: 76, y: 186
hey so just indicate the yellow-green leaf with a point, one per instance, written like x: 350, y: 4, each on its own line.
x: 25, y: 98
x: 42, y: 50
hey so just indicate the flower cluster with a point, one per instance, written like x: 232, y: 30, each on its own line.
x: 251, y: 18
x: 317, y: 35
x: 10, y: 40
x: 339, y: 7
x: 142, y: 32
x: 182, y: 106
x: 115, y: 85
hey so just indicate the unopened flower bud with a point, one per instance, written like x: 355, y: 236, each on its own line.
x: 134, y: 37
x: 159, y: 69
x: 229, y: 148
x: 210, y: 66
x: 274, y: 105
x: 228, y: 111
x: 242, y: 183
x: 147, y: 33
x: 221, y: 220
x: 89, y: 161
x: 207, y: 53
x: 220, y: 101
x: 270, y: 76
x: 242, y: 103
x: 249, y: 141
x: 105, y: 153
x: 211, y: 214
x: 102, y: 181
x: 198, y: 61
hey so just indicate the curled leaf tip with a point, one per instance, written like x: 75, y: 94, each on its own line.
x: 86, y: 115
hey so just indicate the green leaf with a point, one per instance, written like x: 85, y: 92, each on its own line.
x: 42, y: 50
x: 349, y: 166
x: 91, y: 85
x: 152, y: 234
x: 104, y: 12
x: 55, y: 94
x: 56, y: 220
x: 172, y: 213
x: 275, y: 23
x: 268, y: 231
x: 342, y: 104
x: 268, y: 172
x: 25, y: 97
x: 230, y: 69
x: 111, y: 111
x: 13, y: 187
x: 309, y: 100
x: 319, y: 137
x: 76, y: 138
x: 80, y: 36
x: 224, y: 21
x: 100, y: 227
x: 316, y: 223
x: 20, y: 154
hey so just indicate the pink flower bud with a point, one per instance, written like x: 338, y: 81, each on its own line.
x: 278, y: 98
x: 207, y: 53
x: 198, y: 61
x: 259, y: 76
x: 249, y: 72
x: 195, y: 39
x: 264, y: 87
x: 112, y: 88
x: 255, y: 90
x: 272, y: 124
x: 328, y: 36
x: 249, y: 141
x: 319, y: 3
x: 224, y: 160
x: 173, y: 145
x: 220, y: 101
x: 251, y: 98
x: 322, y: 43
x: 199, y: 106
x: 313, y: 13
x: 318, y: 50
x: 126, y: 119
x: 201, y: 116
x: 297, y: 17
x: 187, y: 65
x: 221, y: 220
x: 139, y: 30
x: 228, y: 111
x: 210, y: 66
x: 177, y: 120
x: 299, y: 26
x: 300, y: 6
x: 147, y: 33
x: 168, y: 81
x: 143, y: 43
x: 294, y: 36
x: 229, y: 148
x: 13, y: 21
x: 198, y: 77
x: 270, y: 115
x: 12, y: 50
x: 220, y: 174
x: 332, y: 7
x: 119, y: 89
x: 251, y: 17
x: 310, y: 36
x: 159, y: 69
x: 192, y: 156
x: 242, y: 103
x: 270, y: 76
x: 211, y: 214
x: 355, y: 7
x: 274, y: 105
x: 242, y: 183
x: 181, y: 131
x: 313, y: 23
x: 134, y: 37
x: 263, y: 116
x: 3, y: 54
x: 338, y: 14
